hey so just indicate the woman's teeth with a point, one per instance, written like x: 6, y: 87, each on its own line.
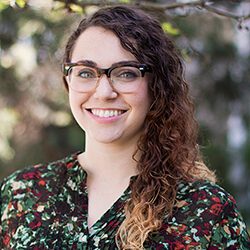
x: 106, y: 113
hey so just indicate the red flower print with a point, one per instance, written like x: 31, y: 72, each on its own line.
x: 224, y: 222
x: 70, y: 165
x: 160, y: 247
x: 41, y: 183
x: 202, y: 195
x: 6, y: 240
x: 37, y: 193
x: 178, y: 246
x: 35, y: 224
x: 216, y: 199
x: 215, y: 209
x: 36, y: 248
x: 186, y: 238
x: 31, y: 175
x: 19, y: 214
x: 182, y: 228
x: 9, y: 205
x: 113, y: 224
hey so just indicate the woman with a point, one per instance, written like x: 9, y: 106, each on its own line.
x: 140, y: 183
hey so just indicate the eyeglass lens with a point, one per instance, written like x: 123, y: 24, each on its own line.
x: 123, y: 79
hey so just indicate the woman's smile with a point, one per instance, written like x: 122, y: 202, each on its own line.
x: 106, y: 115
x: 106, y: 112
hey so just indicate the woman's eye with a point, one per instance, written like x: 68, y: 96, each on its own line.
x: 86, y: 74
x: 127, y: 75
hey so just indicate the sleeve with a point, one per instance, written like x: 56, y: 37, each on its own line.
x: 230, y: 232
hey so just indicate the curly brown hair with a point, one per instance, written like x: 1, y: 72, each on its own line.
x: 168, y: 144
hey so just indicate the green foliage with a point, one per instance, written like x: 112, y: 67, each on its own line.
x: 125, y: 1
x: 170, y: 29
x: 3, y: 5
x: 9, y: 120
x: 76, y: 8
x: 21, y: 3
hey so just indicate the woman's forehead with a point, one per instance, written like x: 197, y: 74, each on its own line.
x: 101, y: 46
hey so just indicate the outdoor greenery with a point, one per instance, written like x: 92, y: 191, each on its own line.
x: 35, y: 121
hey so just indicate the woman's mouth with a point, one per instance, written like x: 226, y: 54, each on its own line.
x: 106, y: 112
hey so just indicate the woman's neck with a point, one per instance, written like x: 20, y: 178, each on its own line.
x: 109, y: 160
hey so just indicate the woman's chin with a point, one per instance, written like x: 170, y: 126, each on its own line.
x: 107, y: 138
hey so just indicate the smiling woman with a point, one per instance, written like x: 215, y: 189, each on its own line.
x: 140, y: 182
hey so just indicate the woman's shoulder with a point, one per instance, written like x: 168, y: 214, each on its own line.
x: 46, y: 176
x: 205, y: 215
x: 210, y: 212
x: 35, y: 172
x: 206, y: 199
x: 31, y: 197
x: 205, y: 191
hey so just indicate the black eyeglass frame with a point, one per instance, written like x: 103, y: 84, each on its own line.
x: 143, y: 68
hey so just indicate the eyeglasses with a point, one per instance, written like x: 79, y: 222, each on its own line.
x: 124, y: 77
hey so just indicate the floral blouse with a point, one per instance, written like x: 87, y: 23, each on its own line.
x: 45, y: 207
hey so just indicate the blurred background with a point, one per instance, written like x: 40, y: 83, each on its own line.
x: 35, y: 120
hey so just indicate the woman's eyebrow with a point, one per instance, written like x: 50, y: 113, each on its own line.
x: 121, y: 63
x: 93, y: 64
x: 87, y: 63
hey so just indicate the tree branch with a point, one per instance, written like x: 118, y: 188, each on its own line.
x: 169, y: 6
x: 224, y: 13
x: 201, y: 4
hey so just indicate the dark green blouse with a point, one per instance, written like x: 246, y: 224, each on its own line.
x: 45, y: 207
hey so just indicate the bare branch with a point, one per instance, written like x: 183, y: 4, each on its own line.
x: 201, y: 4
x: 224, y: 13
x: 167, y: 6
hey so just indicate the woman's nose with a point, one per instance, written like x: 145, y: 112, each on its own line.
x: 104, y: 88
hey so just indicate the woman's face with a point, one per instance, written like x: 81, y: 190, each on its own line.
x: 106, y: 115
